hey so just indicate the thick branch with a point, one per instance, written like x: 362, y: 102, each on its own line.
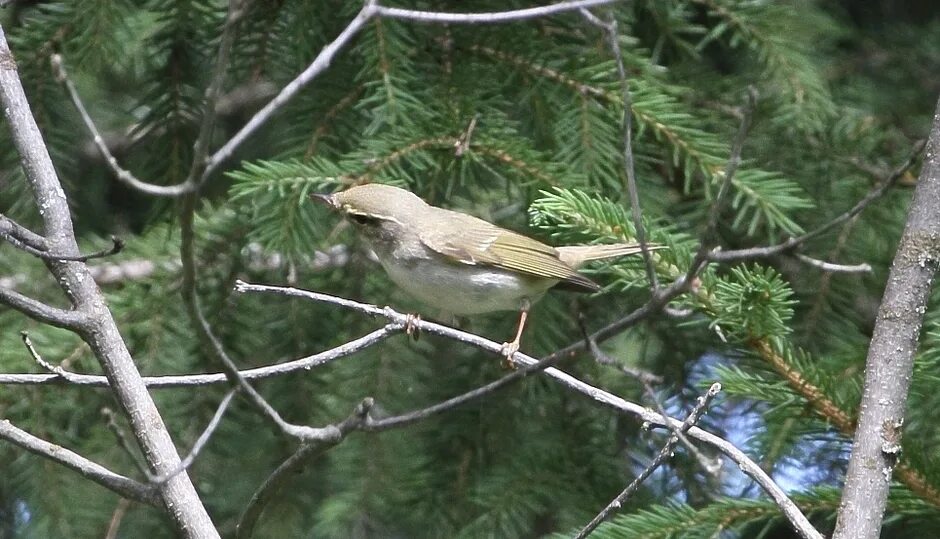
x: 99, y: 331
x: 877, y: 445
x: 124, y: 486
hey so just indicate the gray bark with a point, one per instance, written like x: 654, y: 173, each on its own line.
x: 96, y: 325
x: 877, y: 445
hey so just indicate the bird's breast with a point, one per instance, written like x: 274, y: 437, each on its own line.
x: 463, y: 289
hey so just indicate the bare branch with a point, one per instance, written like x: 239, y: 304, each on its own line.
x: 664, y: 453
x: 16, y: 233
x: 13, y: 239
x: 734, y: 160
x: 99, y: 474
x: 196, y: 178
x: 877, y: 444
x: 99, y: 330
x: 304, y: 454
x: 116, y: 517
x: 123, y: 441
x: 874, y: 194
x: 836, y: 268
x: 487, y: 18
x: 123, y: 175
x: 744, y: 463
x: 192, y: 380
x: 38, y: 310
x: 59, y: 371
x: 647, y: 379
x: 613, y: 41
x: 201, y: 440
x: 372, y: 9
x: 319, y: 64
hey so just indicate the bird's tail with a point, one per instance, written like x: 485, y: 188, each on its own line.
x: 577, y: 255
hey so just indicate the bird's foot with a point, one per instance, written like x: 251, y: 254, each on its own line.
x: 411, y: 326
x: 507, y: 351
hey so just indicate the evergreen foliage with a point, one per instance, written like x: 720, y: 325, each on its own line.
x: 844, y: 94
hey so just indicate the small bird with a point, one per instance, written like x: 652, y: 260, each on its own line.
x: 461, y: 264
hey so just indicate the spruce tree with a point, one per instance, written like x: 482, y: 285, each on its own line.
x: 522, y: 124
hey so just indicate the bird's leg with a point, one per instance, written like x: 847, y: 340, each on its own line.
x: 510, y: 348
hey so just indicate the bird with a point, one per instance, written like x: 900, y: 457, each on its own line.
x: 461, y: 264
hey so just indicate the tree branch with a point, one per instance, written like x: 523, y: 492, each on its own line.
x: 16, y: 233
x: 613, y: 41
x: 319, y: 64
x: 874, y: 194
x: 99, y: 329
x: 372, y: 9
x: 888, y: 368
x: 201, y: 441
x: 99, y: 474
x: 38, y: 310
x: 487, y: 18
x: 664, y: 453
x: 744, y: 463
x: 193, y: 380
x: 306, y: 452
x: 123, y: 175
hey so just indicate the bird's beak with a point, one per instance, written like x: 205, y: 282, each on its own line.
x: 324, y: 199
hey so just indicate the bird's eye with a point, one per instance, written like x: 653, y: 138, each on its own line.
x: 361, y: 219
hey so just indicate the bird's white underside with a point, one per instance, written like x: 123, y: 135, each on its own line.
x: 464, y: 289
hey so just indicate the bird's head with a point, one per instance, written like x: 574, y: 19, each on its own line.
x: 374, y: 207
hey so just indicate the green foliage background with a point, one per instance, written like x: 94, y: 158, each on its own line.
x: 846, y: 88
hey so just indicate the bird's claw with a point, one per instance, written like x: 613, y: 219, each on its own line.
x: 507, y: 351
x: 411, y: 326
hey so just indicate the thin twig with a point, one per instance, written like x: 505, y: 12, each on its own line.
x: 200, y: 441
x: 463, y: 142
x: 369, y: 10
x: 17, y: 233
x: 319, y: 64
x: 487, y: 18
x: 835, y: 268
x: 116, y: 517
x: 307, y: 451
x: 647, y: 379
x: 116, y: 247
x: 644, y: 377
x: 874, y: 194
x: 613, y: 41
x: 734, y: 160
x: 122, y: 174
x: 193, y: 380
x: 197, y: 177
x: 57, y: 370
x: 664, y: 453
x: 123, y: 441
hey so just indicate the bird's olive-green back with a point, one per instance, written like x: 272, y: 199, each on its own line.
x: 468, y: 240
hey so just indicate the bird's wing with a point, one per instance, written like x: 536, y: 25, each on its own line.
x: 473, y: 241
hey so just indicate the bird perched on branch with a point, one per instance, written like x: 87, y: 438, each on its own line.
x: 461, y: 264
